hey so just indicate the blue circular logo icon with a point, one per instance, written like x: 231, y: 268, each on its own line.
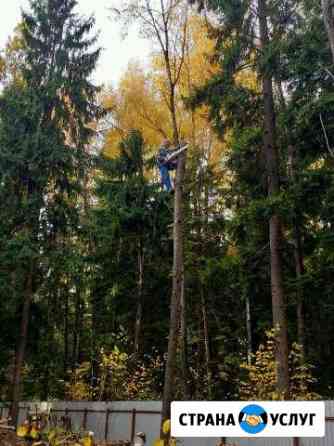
x: 253, y: 419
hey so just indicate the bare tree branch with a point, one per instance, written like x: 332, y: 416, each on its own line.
x: 330, y: 150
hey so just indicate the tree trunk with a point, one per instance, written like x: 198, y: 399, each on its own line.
x: 249, y: 329
x: 206, y: 342
x: 298, y: 256
x: 277, y: 291
x: 65, y: 365
x: 246, y: 292
x: 328, y: 16
x: 77, y: 328
x: 203, y: 236
x: 177, y: 307
x: 21, y: 347
x: 139, y: 313
x: 178, y: 282
x: 51, y: 304
x: 299, y: 261
x: 184, y: 348
x: 173, y: 114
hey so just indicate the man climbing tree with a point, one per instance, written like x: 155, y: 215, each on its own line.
x: 163, y: 166
x: 167, y: 160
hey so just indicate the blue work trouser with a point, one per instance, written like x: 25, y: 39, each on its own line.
x: 165, y: 177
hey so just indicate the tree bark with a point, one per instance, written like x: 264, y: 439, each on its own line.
x: 328, y: 16
x: 277, y: 291
x: 178, y: 282
x: 21, y: 347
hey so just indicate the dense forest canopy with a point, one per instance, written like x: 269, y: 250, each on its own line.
x: 86, y: 231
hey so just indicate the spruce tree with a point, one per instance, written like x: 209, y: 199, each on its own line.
x: 244, y: 41
x: 44, y: 132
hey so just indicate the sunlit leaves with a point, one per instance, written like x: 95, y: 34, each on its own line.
x: 260, y: 382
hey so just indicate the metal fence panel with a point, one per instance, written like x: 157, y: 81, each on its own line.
x: 118, y: 421
x: 150, y: 424
x: 328, y: 440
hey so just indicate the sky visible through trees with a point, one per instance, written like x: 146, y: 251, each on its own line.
x: 117, y: 52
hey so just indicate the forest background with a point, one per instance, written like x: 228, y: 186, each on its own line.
x: 86, y: 231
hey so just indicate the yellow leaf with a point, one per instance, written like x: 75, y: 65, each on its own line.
x: 166, y: 427
x: 51, y: 435
x: 88, y: 441
x: 22, y: 431
x: 34, y: 433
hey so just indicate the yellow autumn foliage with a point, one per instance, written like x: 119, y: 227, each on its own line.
x: 141, y: 100
x: 136, y: 104
x: 34, y: 433
x: 160, y: 442
x: 88, y: 441
x: 261, y: 375
x: 166, y: 426
x: 22, y: 431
